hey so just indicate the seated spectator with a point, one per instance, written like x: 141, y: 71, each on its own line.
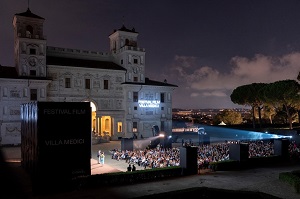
x: 133, y: 168
x: 129, y: 168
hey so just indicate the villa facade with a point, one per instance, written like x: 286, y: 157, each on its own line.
x: 124, y: 102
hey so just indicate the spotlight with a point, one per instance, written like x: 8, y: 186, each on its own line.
x: 161, y: 135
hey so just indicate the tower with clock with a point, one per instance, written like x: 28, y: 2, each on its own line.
x: 29, y: 44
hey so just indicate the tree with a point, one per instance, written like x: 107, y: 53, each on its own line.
x: 249, y: 95
x: 284, y: 93
x: 269, y: 112
x: 240, y: 96
x: 298, y: 78
x: 228, y: 116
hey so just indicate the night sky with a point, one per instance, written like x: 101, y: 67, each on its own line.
x: 206, y: 47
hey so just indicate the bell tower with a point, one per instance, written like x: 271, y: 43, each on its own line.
x: 124, y: 48
x: 29, y: 44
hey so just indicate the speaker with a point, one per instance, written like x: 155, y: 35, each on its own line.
x: 188, y: 159
x: 127, y: 144
x: 239, y: 151
x: 281, y: 147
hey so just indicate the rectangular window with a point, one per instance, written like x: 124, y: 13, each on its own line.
x: 68, y: 82
x: 135, y: 79
x: 25, y: 92
x: 162, y: 125
x: 15, y: 94
x: 135, y: 96
x: 33, y: 94
x: 134, y: 127
x: 32, y: 72
x: 42, y: 94
x: 135, y: 61
x: 149, y: 96
x: 135, y: 108
x: 32, y: 51
x: 5, y: 92
x: 162, y: 97
x: 119, y: 127
x: 105, y: 84
x: 169, y: 96
x: 87, y: 84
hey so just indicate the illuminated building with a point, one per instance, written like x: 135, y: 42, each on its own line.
x: 125, y: 103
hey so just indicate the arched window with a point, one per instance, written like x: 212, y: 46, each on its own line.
x: 29, y: 31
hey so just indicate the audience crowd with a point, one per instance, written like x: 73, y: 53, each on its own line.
x: 160, y: 157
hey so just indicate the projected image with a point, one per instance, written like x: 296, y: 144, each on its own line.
x: 149, y: 103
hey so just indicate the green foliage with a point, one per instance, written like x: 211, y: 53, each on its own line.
x: 206, y: 192
x: 281, y: 95
x: 239, y: 95
x: 248, y: 94
x: 229, y: 117
x: 121, y: 178
x: 225, y: 165
x: 293, y: 178
x: 284, y: 94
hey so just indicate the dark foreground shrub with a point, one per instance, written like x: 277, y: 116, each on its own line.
x: 205, y: 192
x: 293, y: 178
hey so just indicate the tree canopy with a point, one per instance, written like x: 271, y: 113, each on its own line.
x: 281, y: 95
